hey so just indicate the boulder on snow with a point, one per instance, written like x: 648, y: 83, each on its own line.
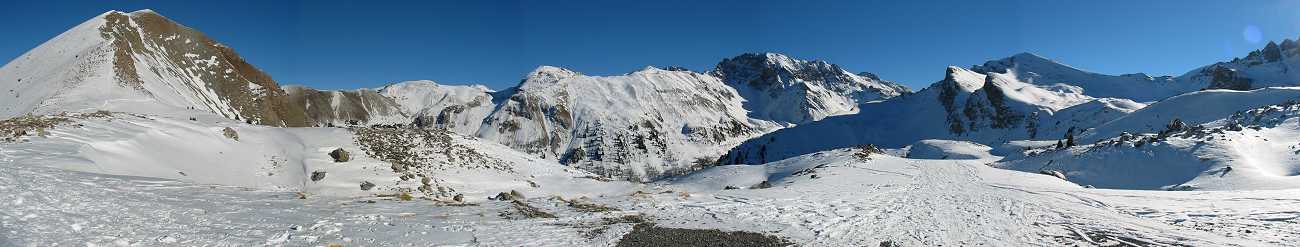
x: 458, y: 198
x: 317, y: 175
x: 765, y: 184
x: 367, y: 185
x: 230, y: 133
x: 340, y: 155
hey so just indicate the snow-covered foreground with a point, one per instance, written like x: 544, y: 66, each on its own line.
x: 851, y: 201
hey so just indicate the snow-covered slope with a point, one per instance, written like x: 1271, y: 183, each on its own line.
x: 1043, y: 72
x: 346, y: 108
x: 638, y: 126
x: 840, y: 198
x: 1193, y: 108
x: 140, y: 62
x: 428, y: 163
x: 833, y: 198
x: 782, y: 89
x: 1248, y: 150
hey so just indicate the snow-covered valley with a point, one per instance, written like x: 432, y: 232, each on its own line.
x: 138, y: 140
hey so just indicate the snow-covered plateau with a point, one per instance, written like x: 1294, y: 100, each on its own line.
x: 132, y: 130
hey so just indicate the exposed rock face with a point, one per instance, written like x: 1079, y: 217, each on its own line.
x: 346, y: 108
x: 144, y: 57
x: 783, y: 89
x: 1224, y: 77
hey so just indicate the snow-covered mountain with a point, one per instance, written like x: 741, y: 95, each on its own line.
x: 641, y: 125
x: 1267, y: 67
x: 460, y: 109
x: 1052, y: 75
x: 141, y: 62
x: 782, y: 89
x: 987, y: 107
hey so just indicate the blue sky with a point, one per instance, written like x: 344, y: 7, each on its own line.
x: 351, y: 44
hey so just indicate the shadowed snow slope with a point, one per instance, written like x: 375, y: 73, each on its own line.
x: 949, y: 150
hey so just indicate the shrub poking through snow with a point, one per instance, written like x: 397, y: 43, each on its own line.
x: 523, y: 210
x: 340, y: 155
x: 584, y: 204
x: 230, y: 133
x: 13, y: 128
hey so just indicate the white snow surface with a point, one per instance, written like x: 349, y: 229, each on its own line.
x: 853, y: 201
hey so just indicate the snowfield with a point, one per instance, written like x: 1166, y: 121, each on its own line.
x: 833, y: 198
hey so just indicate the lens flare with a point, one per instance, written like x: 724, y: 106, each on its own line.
x: 1252, y: 34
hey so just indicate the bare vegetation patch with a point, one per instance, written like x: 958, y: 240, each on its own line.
x: 524, y: 211
x: 13, y: 129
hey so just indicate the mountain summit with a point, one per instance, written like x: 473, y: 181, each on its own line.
x: 783, y: 89
x: 141, y: 62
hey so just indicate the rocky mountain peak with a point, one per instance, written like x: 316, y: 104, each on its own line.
x: 118, y: 57
x: 548, y: 74
x: 783, y: 89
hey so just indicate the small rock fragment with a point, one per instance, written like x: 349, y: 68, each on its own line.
x: 367, y: 185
